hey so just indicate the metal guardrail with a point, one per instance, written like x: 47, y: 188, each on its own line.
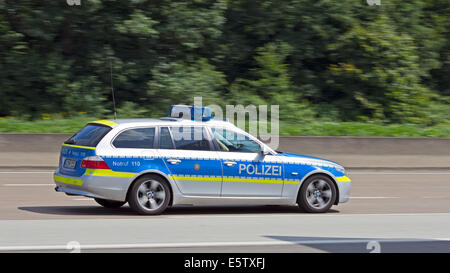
x: 42, y: 150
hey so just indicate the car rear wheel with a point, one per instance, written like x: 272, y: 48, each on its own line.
x: 149, y: 195
x: 317, y: 194
x: 109, y: 203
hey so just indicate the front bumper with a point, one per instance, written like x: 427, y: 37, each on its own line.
x: 344, y: 188
x: 94, y: 186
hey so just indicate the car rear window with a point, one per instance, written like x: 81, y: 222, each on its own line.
x: 165, y: 140
x: 135, y: 138
x: 90, y: 135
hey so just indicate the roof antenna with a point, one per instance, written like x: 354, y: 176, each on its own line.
x: 112, y: 90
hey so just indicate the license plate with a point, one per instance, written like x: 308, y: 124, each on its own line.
x: 70, y: 163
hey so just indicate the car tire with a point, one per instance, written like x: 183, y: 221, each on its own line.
x: 109, y: 203
x: 149, y: 195
x: 317, y: 194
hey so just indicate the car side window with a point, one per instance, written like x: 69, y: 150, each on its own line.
x: 190, y: 138
x: 165, y: 139
x: 142, y: 138
x: 230, y: 141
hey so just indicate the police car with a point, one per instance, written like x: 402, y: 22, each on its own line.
x: 183, y: 160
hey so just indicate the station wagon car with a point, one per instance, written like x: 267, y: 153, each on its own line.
x: 156, y: 163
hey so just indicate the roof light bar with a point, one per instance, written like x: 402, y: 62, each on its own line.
x: 192, y: 112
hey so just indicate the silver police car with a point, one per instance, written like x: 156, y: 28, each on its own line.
x: 156, y: 163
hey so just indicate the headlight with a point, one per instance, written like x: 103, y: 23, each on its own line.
x: 340, y: 169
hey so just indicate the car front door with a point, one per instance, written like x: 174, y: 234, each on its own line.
x: 246, y: 171
x: 193, y: 164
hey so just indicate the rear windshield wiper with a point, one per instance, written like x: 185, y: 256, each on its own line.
x: 70, y: 141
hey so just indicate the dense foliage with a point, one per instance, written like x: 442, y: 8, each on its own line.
x: 329, y: 60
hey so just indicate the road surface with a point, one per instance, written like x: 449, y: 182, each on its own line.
x: 389, y: 211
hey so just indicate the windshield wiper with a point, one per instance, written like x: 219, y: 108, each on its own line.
x: 70, y: 141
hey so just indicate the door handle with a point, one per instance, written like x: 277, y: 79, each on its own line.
x: 173, y: 161
x: 229, y: 163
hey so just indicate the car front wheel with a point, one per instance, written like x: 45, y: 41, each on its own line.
x: 317, y: 194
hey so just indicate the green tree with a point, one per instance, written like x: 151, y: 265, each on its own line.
x: 340, y: 60
x: 271, y: 84
x: 377, y: 74
x: 180, y: 82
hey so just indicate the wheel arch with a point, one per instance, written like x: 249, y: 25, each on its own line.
x: 320, y: 172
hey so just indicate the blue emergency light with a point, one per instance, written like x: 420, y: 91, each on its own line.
x: 192, y: 112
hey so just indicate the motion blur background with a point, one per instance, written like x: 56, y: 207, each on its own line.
x: 334, y: 67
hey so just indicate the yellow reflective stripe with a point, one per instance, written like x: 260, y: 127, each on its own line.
x: 343, y: 179
x: 101, y: 172
x: 104, y: 122
x: 252, y: 180
x: 76, y: 146
x: 232, y: 179
x: 67, y: 180
x: 196, y: 178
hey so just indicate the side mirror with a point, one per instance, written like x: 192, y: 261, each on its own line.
x: 264, y: 151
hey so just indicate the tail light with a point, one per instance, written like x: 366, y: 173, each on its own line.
x: 94, y: 162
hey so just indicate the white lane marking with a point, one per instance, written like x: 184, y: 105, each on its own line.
x: 218, y: 244
x: 26, y: 185
x: 82, y: 199
x: 243, y: 215
x: 24, y: 172
x: 382, y: 214
x: 293, y: 214
x: 371, y: 197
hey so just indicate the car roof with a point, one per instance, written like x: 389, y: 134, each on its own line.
x: 164, y: 120
x: 120, y: 124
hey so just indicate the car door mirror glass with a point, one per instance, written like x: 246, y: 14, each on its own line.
x: 264, y: 151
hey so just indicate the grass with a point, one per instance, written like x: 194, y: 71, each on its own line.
x: 364, y: 129
x: 315, y: 128
x: 43, y: 126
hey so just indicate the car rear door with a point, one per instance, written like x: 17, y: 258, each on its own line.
x: 192, y: 162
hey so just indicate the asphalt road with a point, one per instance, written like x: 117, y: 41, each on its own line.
x: 390, y: 211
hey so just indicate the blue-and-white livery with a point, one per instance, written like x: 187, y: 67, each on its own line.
x: 156, y: 163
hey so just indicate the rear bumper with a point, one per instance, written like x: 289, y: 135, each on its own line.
x: 94, y: 186
x: 69, y: 191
